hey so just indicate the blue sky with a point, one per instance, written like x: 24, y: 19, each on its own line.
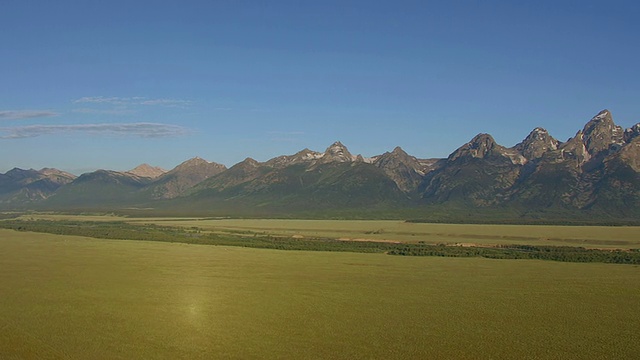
x: 112, y: 84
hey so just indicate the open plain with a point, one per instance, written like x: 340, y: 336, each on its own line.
x: 75, y: 297
x: 605, y: 237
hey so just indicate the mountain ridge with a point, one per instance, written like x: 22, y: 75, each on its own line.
x: 595, y: 172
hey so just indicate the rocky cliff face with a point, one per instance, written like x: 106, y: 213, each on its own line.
x: 601, y: 135
x: 479, y: 173
x: 598, y: 166
x: 575, y: 174
x: 337, y: 153
x: 405, y: 170
x: 536, y: 144
x: 631, y: 133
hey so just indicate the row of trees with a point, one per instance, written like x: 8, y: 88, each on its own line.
x: 147, y: 232
x: 555, y: 253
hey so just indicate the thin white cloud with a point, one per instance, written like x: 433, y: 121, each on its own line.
x: 118, y: 111
x: 167, y: 102
x: 107, y: 100
x: 131, y: 101
x: 144, y: 130
x: 25, y: 114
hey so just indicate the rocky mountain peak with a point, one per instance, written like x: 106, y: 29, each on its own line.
x: 405, y: 170
x: 398, y: 151
x: 337, y: 152
x: 250, y: 162
x: 17, y: 173
x: 536, y: 144
x: 574, y: 149
x: 189, y: 173
x: 483, y: 143
x: 195, y: 168
x: 478, y: 147
x: 305, y: 153
x: 632, y: 132
x: 396, y: 156
x: 630, y: 154
x: 192, y: 162
x: 197, y: 162
x: 56, y: 172
x: 148, y: 171
x: 601, y: 133
x: 303, y: 156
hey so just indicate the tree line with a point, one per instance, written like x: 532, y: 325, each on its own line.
x: 148, y: 232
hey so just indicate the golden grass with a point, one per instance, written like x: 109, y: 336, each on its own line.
x: 74, y: 297
x: 392, y: 230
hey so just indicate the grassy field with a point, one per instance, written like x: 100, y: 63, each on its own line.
x: 393, y: 230
x: 606, y: 237
x: 73, y: 297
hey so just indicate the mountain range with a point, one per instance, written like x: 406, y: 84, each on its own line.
x: 593, y: 175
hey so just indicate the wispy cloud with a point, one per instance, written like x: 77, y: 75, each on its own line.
x: 130, y: 101
x: 25, y: 114
x: 144, y: 130
x: 167, y: 102
x: 107, y: 100
x: 118, y: 111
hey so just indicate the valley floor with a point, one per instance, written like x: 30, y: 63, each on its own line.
x: 75, y: 297
x: 599, y: 237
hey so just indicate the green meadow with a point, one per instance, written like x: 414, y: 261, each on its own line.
x: 68, y: 297
x: 604, y: 237
x: 394, y: 230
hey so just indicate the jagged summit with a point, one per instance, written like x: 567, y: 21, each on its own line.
x: 600, y: 133
x: 478, y: 147
x: 337, y: 149
x: 337, y: 152
x: 536, y: 144
x: 598, y: 171
x: 307, y: 154
x: 405, y: 170
x: 397, y: 153
x: 632, y: 132
x: 482, y: 142
x: 303, y: 156
x: 483, y: 145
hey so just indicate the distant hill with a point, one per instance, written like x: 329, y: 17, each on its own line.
x: 101, y: 189
x: 183, y: 177
x: 595, y: 175
x: 25, y: 187
x: 146, y: 170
